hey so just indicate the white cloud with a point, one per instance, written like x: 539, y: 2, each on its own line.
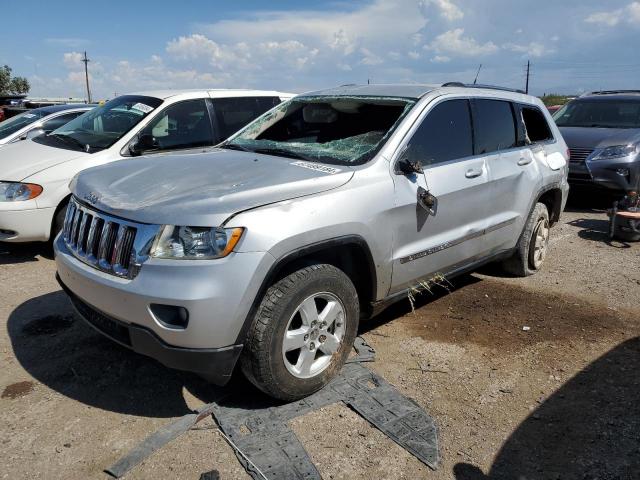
x: 628, y: 14
x: 447, y: 9
x: 532, y: 49
x: 72, y: 60
x: 440, y: 59
x: 454, y: 43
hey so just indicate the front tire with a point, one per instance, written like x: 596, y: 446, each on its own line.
x: 533, y: 245
x: 302, y: 332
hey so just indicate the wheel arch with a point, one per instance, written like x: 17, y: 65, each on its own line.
x: 349, y: 253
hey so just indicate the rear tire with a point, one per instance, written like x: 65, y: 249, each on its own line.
x: 302, y: 332
x: 532, y: 246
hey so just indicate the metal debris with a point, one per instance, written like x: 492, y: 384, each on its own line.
x: 257, y: 429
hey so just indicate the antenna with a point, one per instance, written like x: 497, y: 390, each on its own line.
x: 475, y: 81
x: 86, y: 61
x: 526, y: 88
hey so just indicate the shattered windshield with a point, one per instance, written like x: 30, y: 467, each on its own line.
x: 342, y: 130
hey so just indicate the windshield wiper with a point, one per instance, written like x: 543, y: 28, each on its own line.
x: 235, y: 146
x: 66, y: 138
x: 281, y: 152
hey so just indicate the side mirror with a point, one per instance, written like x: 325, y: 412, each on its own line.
x: 36, y: 132
x: 404, y: 166
x: 142, y: 143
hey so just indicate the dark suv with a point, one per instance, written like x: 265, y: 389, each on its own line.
x: 602, y: 130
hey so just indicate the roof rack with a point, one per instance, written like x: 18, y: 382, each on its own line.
x: 477, y: 85
x: 610, y: 92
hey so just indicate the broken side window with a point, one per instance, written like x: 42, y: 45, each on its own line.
x: 342, y: 130
x: 536, y: 126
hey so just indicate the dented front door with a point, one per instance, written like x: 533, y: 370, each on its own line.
x: 429, y: 241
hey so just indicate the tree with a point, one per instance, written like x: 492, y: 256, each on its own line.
x: 12, y: 85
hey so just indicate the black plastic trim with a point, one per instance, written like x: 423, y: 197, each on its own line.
x: 215, y: 364
x: 300, y: 253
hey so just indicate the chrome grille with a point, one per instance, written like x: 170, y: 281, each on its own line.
x: 579, y: 155
x: 107, y: 243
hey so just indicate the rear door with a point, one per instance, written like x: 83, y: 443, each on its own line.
x: 514, y: 175
x: 231, y: 114
x: 512, y: 171
x: 431, y: 242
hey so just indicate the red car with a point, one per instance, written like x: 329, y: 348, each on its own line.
x: 554, y: 108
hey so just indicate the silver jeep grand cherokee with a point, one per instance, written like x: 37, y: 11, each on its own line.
x: 270, y: 248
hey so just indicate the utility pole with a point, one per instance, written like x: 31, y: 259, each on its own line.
x: 86, y: 61
x: 475, y: 81
x: 526, y: 88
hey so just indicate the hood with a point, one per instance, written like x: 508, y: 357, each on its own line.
x: 201, y: 189
x: 589, y: 137
x: 23, y: 159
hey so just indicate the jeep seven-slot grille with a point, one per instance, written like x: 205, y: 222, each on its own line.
x: 99, y: 240
x: 579, y: 155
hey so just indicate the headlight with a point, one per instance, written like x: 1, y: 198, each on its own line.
x: 195, y: 243
x: 616, y: 151
x: 17, y: 192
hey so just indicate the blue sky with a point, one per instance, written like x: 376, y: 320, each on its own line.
x: 573, y: 45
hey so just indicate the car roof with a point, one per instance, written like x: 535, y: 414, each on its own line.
x: 417, y: 91
x: 376, y: 90
x: 60, y: 108
x: 629, y: 95
x: 214, y: 92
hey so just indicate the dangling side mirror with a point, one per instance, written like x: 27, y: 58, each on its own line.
x: 404, y: 166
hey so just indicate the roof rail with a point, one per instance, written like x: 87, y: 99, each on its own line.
x: 610, y: 92
x: 477, y: 85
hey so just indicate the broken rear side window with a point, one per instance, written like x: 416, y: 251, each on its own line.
x: 342, y: 130
x: 536, y: 126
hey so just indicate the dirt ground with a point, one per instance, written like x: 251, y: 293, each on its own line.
x: 535, y: 378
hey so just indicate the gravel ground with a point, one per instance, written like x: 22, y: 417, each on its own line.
x: 556, y: 400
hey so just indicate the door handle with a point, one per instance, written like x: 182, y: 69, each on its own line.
x: 473, y: 173
x: 524, y: 161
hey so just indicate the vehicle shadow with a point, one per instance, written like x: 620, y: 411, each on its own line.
x: 403, y: 306
x: 589, y: 428
x: 62, y: 352
x: 597, y: 230
x: 12, y: 253
x: 591, y: 200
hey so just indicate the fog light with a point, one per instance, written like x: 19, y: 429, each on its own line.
x: 170, y: 316
x: 623, y: 172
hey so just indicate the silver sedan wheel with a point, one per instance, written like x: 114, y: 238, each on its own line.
x: 541, y: 242
x: 313, y: 335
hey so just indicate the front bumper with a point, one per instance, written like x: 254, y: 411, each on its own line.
x: 217, y: 294
x: 31, y: 225
x: 607, y: 174
x: 215, y: 364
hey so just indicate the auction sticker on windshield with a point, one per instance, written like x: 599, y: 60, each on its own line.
x: 142, y: 107
x: 316, y: 167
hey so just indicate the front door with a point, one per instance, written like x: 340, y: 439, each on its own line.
x: 430, y: 241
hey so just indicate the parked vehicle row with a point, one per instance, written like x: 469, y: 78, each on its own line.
x: 602, y: 130
x: 34, y: 183
x: 38, y: 121
x: 268, y: 250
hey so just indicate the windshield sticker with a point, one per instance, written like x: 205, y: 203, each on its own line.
x: 29, y: 115
x: 142, y: 107
x: 316, y: 167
